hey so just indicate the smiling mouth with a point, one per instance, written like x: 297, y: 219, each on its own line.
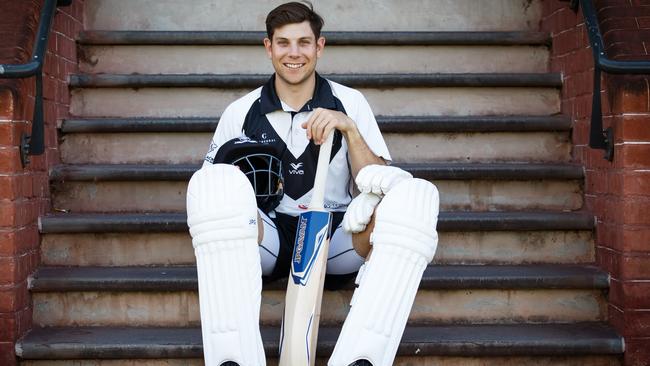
x: 294, y: 66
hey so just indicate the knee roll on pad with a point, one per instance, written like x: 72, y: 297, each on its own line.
x: 404, y: 242
x: 222, y: 216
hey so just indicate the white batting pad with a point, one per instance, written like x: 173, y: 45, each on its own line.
x: 222, y: 216
x: 404, y: 242
x: 380, y: 179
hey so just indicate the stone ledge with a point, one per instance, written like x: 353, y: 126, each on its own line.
x: 465, y: 340
x: 447, y: 221
x: 387, y: 124
x: 333, y: 38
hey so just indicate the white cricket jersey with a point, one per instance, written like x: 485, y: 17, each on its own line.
x: 262, y: 116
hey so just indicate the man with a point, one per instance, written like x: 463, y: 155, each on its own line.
x: 294, y: 112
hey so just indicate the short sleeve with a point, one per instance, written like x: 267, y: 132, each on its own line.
x: 367, y: 125
x: 229, y: 127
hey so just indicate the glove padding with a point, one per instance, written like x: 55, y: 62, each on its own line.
x: 379, y: 179
x: 359, y: 212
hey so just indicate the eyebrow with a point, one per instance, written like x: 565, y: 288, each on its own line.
x: 300, y: 39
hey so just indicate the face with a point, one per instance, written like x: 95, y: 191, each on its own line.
x: 294, y: 51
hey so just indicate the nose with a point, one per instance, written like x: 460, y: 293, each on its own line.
x: 294, y: 50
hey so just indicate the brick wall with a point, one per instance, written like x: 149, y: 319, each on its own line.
x: 617, y: 192
x: 24, y: 193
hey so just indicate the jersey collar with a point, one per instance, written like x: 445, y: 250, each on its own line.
x: 322, y: 98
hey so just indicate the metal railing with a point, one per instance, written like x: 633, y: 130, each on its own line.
x: 34, y: 144
x: 599, y: 138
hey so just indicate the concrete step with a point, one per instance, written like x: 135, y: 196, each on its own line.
x: 389, y: 94
x: 242, y: 52
x: 549, y: 141
x: 438, y: 15
x: 601, y: 360
x: 166, y: 296
x: 521, y: 341
x: 207, y: 102
x: 190, y: 148
x: 454, y: 247
x: 465, y: 238
x: 358, y: 38
x: 362, y: 80
x: 447, y: 221
x: 159, y: 188
x: 387, y: 124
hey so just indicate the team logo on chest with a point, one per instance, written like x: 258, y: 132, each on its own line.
x: 296, y: 169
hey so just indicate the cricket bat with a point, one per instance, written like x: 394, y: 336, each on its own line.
x: 305, y: 288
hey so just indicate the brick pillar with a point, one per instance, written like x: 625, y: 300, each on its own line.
x: 24, y: 192
x: 617, y: 192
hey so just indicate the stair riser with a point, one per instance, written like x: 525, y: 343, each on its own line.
x: 399, y: 361
x: 204, y: 102
x: 336, y: 59
x: 439, y: 307
x: 454, y: 196
x: 190, y: 148
x: 339, y: 15
x: 453, y: 248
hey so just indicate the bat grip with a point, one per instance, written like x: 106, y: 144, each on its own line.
x: 318, y: 193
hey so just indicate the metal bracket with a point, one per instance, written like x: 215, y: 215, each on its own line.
x: 608, y: 134
x: 25, y: 141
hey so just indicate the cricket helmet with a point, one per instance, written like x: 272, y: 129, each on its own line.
x: 261, y: 164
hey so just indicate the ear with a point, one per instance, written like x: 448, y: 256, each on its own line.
x: 320, y: 45
x: 267, y: 46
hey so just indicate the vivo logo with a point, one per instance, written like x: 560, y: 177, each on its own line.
x: 296, y: 168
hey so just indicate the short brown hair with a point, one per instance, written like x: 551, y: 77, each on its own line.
x: 291, y: 13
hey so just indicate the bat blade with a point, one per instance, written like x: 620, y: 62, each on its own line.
x: 305, y: 289
x: 305, y: 286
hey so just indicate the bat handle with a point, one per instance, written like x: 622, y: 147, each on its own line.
x: 318, y: 194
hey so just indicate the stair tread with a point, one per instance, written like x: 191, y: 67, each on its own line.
x: 387, y: 124
x: 96, y: 37
x: 447, y: 221
x: 183, y: 278
x: 387, y: 80
x: 449, y: 340
x: 440, y: 171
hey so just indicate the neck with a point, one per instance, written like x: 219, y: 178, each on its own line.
x: 295, y: 95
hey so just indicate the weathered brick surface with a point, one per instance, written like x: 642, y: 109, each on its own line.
x: 24, y: 192
x: 617, y: 192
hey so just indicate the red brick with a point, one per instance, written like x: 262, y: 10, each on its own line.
x: 49, y: 88
x: 16, y: 269
x: 626, y: 50
x: 637, y: 351
x: 633, y: 238
x: 6, y: 104
x: 66, y: 47
x: 13, y: 298
x: 644, y: 22
x: 630, y: 323
x: 7, y: 354
x: 633, y: 128
x: 9, y: 160
x: 635, y: 182
x: 632, y: 156
x: 18, y: 213
x: 628, y: 93
x: 624, y: 266
x: 617, y: 10
x: 595, y: 181
x: 566, y: 41
x: 629, y: 294
x: 15, y: 186
x: 18, y: 241
x: 8, y: 327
